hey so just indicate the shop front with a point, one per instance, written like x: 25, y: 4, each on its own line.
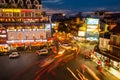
x: 4, y: 49
x: 110, y: 64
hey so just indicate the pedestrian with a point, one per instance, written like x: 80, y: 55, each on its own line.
x: 99, y: 63
x: 101, y: 69
x: 83, y: 68
x: 118, y: 66
x: 86, y: 55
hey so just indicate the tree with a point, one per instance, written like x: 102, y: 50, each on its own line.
x: 63, y: 28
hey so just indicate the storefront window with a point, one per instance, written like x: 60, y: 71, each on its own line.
x: 5, y: 14
x: 19, y: 36
x: 11, y: 28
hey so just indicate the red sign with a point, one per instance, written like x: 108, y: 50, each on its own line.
x: 26, y: 10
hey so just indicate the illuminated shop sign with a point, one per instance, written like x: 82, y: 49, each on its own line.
x: 81, y: 33
x: 92, y: 30
x: 11, y: 10
x: 92, y: 27
x: 25, y: 10
x: 92, y: 21
x: 3, y: 31
x: 3, y: 36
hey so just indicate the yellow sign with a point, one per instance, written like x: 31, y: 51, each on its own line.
x: 106, y: 27
x: 11, y: 10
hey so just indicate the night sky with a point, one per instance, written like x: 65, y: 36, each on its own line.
x: 74, y: 6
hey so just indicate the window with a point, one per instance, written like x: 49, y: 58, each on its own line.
x: 27, y: 14
x: 16, y: 14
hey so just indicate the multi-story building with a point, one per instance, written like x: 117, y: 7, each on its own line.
x: 108, y: 50
x: 23, y: 21
x: 115, y: 42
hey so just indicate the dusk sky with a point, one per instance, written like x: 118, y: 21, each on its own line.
x: 74, y: 6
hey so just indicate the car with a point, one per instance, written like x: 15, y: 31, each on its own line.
x: 66, y: 46
x: 14, y: 55
x: 43, y: 51
x: 54, y: 49
x: 61, y: 51
x: 74, y: 48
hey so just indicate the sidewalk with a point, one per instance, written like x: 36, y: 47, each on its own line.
x: 114, y: 72
x: 93, y: 66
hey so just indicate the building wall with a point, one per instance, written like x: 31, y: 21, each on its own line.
x: 115, y: 45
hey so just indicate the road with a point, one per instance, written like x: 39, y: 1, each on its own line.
x: 10, y: 67
x: 31, y: 67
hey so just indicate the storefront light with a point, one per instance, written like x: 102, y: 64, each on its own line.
x: 34, y: 29
x: 19, y: 29
x: 92, y: 27
x: 7, y: 30
x: 22, y: 41
x: 30, y: 29
x: 3, y: 36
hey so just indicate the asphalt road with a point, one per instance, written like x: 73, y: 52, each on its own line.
x: 31, y: 67
x: 10, y: 67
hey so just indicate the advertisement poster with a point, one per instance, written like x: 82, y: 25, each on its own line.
x: 26, y: 35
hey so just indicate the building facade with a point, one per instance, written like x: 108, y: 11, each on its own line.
x: 108, y: 51
x: 23, y: 21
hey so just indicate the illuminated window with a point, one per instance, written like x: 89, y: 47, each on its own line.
x: 28, y: 14
x: 37, y: 14
x: 19, y: 36
x: 11, y: 28
x: 27, y: 36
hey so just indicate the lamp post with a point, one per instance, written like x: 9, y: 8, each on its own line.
x: 49, y: 19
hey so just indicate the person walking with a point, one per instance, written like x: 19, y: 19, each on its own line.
x: 83, y: 68
x: 99, y: 63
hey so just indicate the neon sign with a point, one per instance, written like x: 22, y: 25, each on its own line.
x: 11, y: 10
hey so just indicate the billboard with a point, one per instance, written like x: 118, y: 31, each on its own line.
x: 92, y: 21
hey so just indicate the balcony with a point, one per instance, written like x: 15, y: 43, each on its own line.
x: 113, y: 44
